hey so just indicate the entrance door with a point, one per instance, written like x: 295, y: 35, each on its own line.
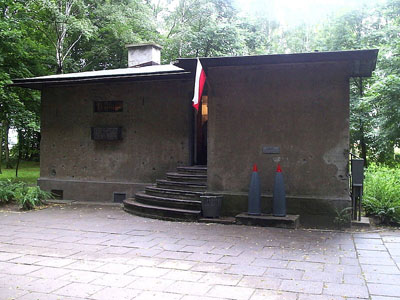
x: 201, y: 131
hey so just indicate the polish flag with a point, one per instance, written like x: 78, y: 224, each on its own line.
x: 198, y: 85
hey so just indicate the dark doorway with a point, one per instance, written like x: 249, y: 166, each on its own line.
x: 201, y: 131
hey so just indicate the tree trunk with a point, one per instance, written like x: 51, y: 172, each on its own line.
x: 19, y: 152
x: 6, y: 129
x: 362, y: 134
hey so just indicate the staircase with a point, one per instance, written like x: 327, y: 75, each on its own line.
x: 174, y: 198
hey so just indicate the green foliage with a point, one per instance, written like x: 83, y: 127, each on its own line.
x: 343, y: 217
x: 30, y: 197
x: 9, y: 190
x: 382, y: 193
x: 27, y: 197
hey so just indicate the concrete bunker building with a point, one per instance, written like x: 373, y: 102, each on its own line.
x: 108, y: 135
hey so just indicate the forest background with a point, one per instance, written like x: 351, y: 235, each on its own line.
x: 44, y: 37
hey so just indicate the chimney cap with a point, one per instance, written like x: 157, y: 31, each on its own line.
x: 143, y: 45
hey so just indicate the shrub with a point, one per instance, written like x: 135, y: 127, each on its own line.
x: 31, y: 197
x: 9, y: 190
x: 382, y: 193
x: 27, y: 197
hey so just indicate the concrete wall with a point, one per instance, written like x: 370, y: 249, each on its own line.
x: 155, y: 137
x: 301, y: 108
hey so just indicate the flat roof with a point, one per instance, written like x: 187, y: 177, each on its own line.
x: 362, y: 63
x: 155, y: 72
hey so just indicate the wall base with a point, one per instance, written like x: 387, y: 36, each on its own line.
x: 99, y: 191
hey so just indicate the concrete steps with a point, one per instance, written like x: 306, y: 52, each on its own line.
x: 174, y: 198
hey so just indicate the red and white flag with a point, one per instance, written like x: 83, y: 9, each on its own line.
x: 198, y: 85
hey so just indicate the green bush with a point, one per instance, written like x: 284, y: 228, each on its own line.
x: 27, y: 197
x: 9, y: 190
x: 382, y: 193
x: 31, y: 197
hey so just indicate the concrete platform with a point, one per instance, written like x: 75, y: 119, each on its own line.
x: 363, y: 223
x: 290, y: 221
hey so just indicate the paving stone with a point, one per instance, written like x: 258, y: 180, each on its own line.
x: 284, y: 273
x: 231, y: 292
x: 273, y: 295
x: 373, y: 254
x: 78, y: 290
x: 51, y: 273
x: 223, y: 279
x: 201, y: 298
x: 237, y: 260
x: 173, y: 255
x: 381, y: 269
x: 183, y: 275
x: 392, y: 290
x: 85, y: 265
x: 9, y: 293
x: 211, y: 267
x: 114, y: 280
x: 151, y: 284
x: 270, y: 263
x: 306, y: 266
x: 45, y: 285
x: 44, y: 296
x: 346, y: 290
x: 373, y: 247
x: 374, y: 297
x: 20, y: 269
x: 28, y: 259
x: 114, y: 293
x: 55, y: 262
x: 331, y: 259
x: 246, y: 270
x: 189, y: 288
x: 115, y: 268
x: 6, y: 256
x: 376, y: 261
x: 177, y: 264
x: 349, y: 261
x: 323, y: 276
x: 382, y: 278
x: 320, y: 297
x: 301, y: 286
x: 354, y: 279
x: 81, y: 276
x: 345, y: 269
x: 145, y: 261
x: 157, y: 296
x: 148, y: 272
x: 260, y: 282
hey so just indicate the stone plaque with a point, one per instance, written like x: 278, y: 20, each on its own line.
x: 271, y: 150
x: 106, y: 133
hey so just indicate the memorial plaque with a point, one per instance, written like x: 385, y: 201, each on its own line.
x: 106, y: 133
x: 271, y: 150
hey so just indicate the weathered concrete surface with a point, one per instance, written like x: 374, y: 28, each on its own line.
x: 301, y: 108
x: 99, y: 252
x: 155, y: 137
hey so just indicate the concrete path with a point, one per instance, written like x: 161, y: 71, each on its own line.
x: 76, y: 252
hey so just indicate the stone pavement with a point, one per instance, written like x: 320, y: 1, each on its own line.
x: 76, y: 252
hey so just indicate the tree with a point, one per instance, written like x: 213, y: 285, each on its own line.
x: 63, y: 23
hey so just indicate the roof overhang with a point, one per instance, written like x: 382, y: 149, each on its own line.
x: 362, y: 62
x: 149, y: 73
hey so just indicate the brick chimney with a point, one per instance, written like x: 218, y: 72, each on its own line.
x: 143, y: 55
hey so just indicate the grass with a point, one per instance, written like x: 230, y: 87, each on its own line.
x: 28, y: 172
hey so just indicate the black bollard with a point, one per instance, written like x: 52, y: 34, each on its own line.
x: 279, y: 199
x: 254, y: 207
